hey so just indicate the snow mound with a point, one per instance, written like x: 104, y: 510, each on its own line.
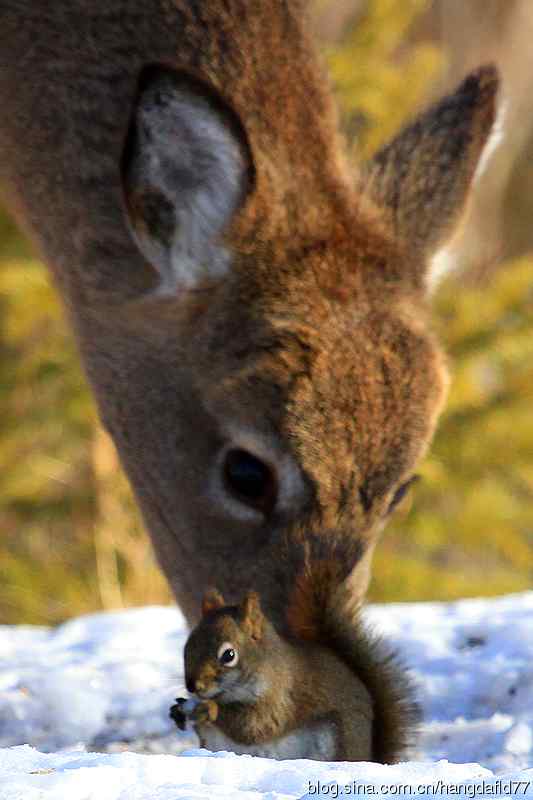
x: 26, y: 773
x: 107, y: 680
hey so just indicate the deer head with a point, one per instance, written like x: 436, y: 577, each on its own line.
x: 252, y: 316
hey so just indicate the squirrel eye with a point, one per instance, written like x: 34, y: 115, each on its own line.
x: 401, y: 492
x: 227, y: 655
x: 250, y: 480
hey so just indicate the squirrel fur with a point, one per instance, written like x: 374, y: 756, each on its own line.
x: 329, y: 690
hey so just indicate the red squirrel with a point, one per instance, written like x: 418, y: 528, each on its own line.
x: 329, y: 690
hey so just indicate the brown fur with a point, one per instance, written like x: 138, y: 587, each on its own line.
x: 312, y: 350
x: 331, y: 668
x: 321, y: 609
x: 301, y: 685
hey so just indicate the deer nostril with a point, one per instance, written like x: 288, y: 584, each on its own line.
x: 190, y: 684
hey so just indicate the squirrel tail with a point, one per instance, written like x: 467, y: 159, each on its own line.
x: 322, y: 610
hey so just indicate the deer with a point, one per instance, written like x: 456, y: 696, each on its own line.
x: 252, y: 309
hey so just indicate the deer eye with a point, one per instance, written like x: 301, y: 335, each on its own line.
x: 401, y: 492
x: 250, y: 480
x: 227, y: 655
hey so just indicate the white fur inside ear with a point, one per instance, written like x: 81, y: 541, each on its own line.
x: 494, y: 141
x: 442, y: 264
x: 445, y: 260
x: 188, y: 158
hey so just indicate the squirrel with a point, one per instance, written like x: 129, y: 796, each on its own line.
x: 329, y: 690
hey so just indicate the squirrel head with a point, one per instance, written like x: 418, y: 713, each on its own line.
x: 225, y: 652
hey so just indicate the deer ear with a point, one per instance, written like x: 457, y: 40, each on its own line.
x: 251, y: 615
x: 186, y: 170
x: 212, y: 601
x: 422, y: 178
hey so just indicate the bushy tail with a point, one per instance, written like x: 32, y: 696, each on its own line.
x: 321, y: 610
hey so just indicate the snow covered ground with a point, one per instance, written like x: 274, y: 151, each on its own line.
x: 82, y: 694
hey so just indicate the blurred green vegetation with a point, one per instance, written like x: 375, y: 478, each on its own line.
x: 70, y: 537
x: 377, y: 84
x: 469, y: 531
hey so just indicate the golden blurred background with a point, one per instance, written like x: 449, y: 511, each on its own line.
x: 70, y: 538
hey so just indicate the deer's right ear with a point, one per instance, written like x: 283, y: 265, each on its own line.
x: 186, y: 171
x: 422, y: 178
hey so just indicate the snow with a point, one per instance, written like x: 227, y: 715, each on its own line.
x: 84, y: 711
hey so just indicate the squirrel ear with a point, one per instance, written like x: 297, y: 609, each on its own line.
x: 251, y: 615
x: 212, y: 601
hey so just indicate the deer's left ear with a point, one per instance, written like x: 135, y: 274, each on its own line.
x: 186, y: 171
x: 422, y: 178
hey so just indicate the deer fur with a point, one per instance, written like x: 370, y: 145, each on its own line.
x: 232, y: 281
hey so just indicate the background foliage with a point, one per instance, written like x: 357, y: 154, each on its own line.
x: 70, y: 537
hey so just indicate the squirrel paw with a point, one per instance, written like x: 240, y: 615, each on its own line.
x: 180, y: 713
x: 205, y: 712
